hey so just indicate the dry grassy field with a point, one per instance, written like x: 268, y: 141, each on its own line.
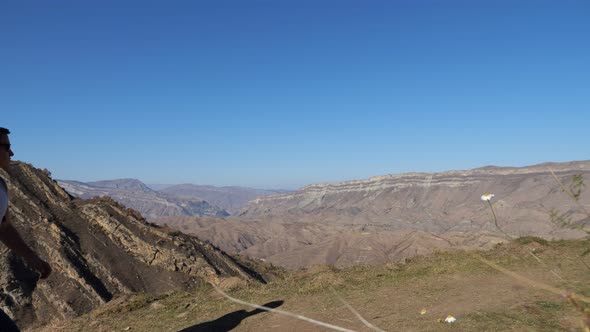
x: 390, y: 296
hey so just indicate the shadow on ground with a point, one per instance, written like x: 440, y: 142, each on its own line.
x: 229, y: 321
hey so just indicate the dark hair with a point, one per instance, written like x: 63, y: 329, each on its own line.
x: 4, y: 131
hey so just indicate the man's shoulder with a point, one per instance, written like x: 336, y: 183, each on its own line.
x: 3, y: 184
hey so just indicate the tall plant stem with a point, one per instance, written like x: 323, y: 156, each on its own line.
x: 496, y: 221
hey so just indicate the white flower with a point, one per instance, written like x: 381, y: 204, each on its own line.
x: 450, y: 319
x: 487, y: 197
x: 423, y: 311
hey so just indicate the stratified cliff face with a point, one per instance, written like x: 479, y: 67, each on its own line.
x: 437, y: 202
x: 97, y: 249
x: 136, y: 195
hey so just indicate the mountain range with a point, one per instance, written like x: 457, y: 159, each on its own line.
x: 175, y: 200
x: 392, y: 217
x: 100, y: 249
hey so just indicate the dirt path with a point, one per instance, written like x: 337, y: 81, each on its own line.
x: 397, y: 307
x: 389, y: 296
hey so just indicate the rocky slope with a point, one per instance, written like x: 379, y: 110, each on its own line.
x: 136, y: 195
x: 98, y: 249
x: 231, y: 199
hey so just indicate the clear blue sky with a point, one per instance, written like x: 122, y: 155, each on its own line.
x: 280, y: 94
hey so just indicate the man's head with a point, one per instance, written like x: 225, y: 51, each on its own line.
x: 5, y: 151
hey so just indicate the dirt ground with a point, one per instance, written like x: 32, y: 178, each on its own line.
x: 389, y: 296
x: 394, y: 308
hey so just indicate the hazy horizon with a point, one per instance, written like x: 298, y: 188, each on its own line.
x: 159, y: 186
x: 279, y: 95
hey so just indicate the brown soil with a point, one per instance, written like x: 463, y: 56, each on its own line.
x: 389, y: 296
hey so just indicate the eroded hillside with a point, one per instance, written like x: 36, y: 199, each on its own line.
x: 393, y: 217
x: 436, y: 202
x: 97, y: 249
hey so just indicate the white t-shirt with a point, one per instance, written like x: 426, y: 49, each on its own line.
x: 3, y: 199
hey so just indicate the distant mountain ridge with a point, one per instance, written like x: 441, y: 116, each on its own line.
x: 150, y: 203
x: 230, y: 198
x: 126, y: 184
x: 440, y: 198
x: 172, y: 200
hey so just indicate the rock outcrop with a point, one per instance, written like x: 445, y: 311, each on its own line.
x: 97, y: 248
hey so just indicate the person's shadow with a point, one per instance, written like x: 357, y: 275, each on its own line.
x: 229, y: 321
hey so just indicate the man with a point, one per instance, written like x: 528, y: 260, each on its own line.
x: 8, y: 234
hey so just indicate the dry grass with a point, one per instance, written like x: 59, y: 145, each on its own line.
x: 389, y: 296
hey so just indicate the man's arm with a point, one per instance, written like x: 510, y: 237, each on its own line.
x: 12, y: 239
